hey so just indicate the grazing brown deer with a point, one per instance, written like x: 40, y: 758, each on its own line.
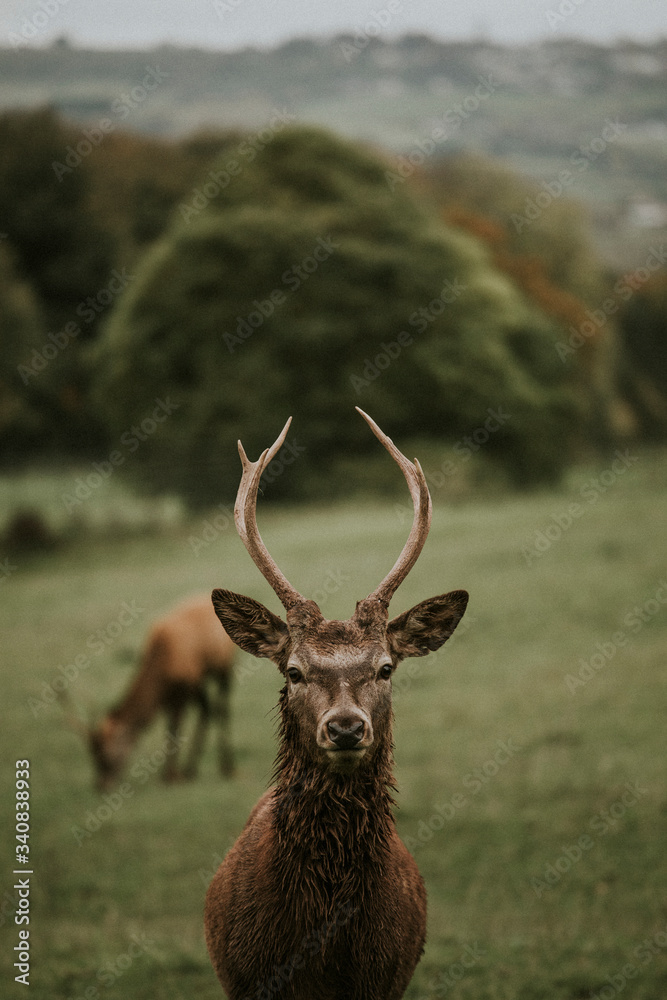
x: 318, y: 897
x: 183, y: 649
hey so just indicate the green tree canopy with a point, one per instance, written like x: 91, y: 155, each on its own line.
x: 45, y: 210
x: 540, y: 221
x: 65, y: 255
x: 294, y: 280
x: 643, y: 324
x: 22, y: 421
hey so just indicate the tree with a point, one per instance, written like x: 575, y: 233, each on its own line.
x: 539, y: 236
x: 530, y: 221
x: 22, y: 418
x: 78, y: 205
x: 44, y: 186
x: 305, y: 284
x: 59, y: 248
x: 643, y: 322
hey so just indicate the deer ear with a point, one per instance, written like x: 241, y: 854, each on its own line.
x: 427, y: 626
x: 251, y: 626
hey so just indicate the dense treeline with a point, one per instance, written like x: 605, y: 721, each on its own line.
x: 228, y: 280
x: 76, y: 211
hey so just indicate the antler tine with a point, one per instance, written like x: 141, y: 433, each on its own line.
x: 421, y: 500
x: 245, y: 517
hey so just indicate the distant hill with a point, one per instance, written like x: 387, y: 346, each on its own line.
x: 540, y: 108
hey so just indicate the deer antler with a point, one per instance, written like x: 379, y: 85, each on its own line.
x: 421, y: 500
x: 245, y: 516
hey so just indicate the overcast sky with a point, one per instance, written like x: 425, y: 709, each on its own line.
x: 231, y: 24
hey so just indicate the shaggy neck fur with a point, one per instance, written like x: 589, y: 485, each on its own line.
x: 332, y: 830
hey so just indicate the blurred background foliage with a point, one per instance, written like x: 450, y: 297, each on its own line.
x: 504, y: 335
x: 308, y: 280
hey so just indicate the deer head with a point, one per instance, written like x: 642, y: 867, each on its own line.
x: 336, y: 704
x: 107, y: 742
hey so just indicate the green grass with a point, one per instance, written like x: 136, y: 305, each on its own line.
x: 504, y: 818
x: 69, y: 507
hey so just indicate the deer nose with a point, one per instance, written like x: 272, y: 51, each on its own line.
x: 346, y: 737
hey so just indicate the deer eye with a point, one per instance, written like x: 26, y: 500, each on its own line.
x: 294, y: 675
x: 385, y: 671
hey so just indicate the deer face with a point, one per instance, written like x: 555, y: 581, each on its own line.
x: 337, y: 697
x: 336, y: 705
x: 339, y: 704
x: 109, y: 748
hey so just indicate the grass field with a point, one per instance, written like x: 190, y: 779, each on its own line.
x: 530, y: 750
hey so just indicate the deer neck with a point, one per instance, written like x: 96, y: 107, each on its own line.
x: 131, y: 716
x: 333, y: 831
x: 140, y: 703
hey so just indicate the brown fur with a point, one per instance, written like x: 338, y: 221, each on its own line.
x: 319, y: 898
x: 183, y: 649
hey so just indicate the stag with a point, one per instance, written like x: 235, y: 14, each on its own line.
x: 319, y: 897
x: 183, y: 650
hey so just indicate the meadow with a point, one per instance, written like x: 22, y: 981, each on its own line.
x: 530, y: 750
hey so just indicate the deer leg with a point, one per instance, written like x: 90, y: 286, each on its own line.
x: 225, y: 753
x: 174, y: 721
x: 197, y: 745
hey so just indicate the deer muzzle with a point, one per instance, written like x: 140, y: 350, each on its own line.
x: 345, y: 732
x: 346, y: 738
